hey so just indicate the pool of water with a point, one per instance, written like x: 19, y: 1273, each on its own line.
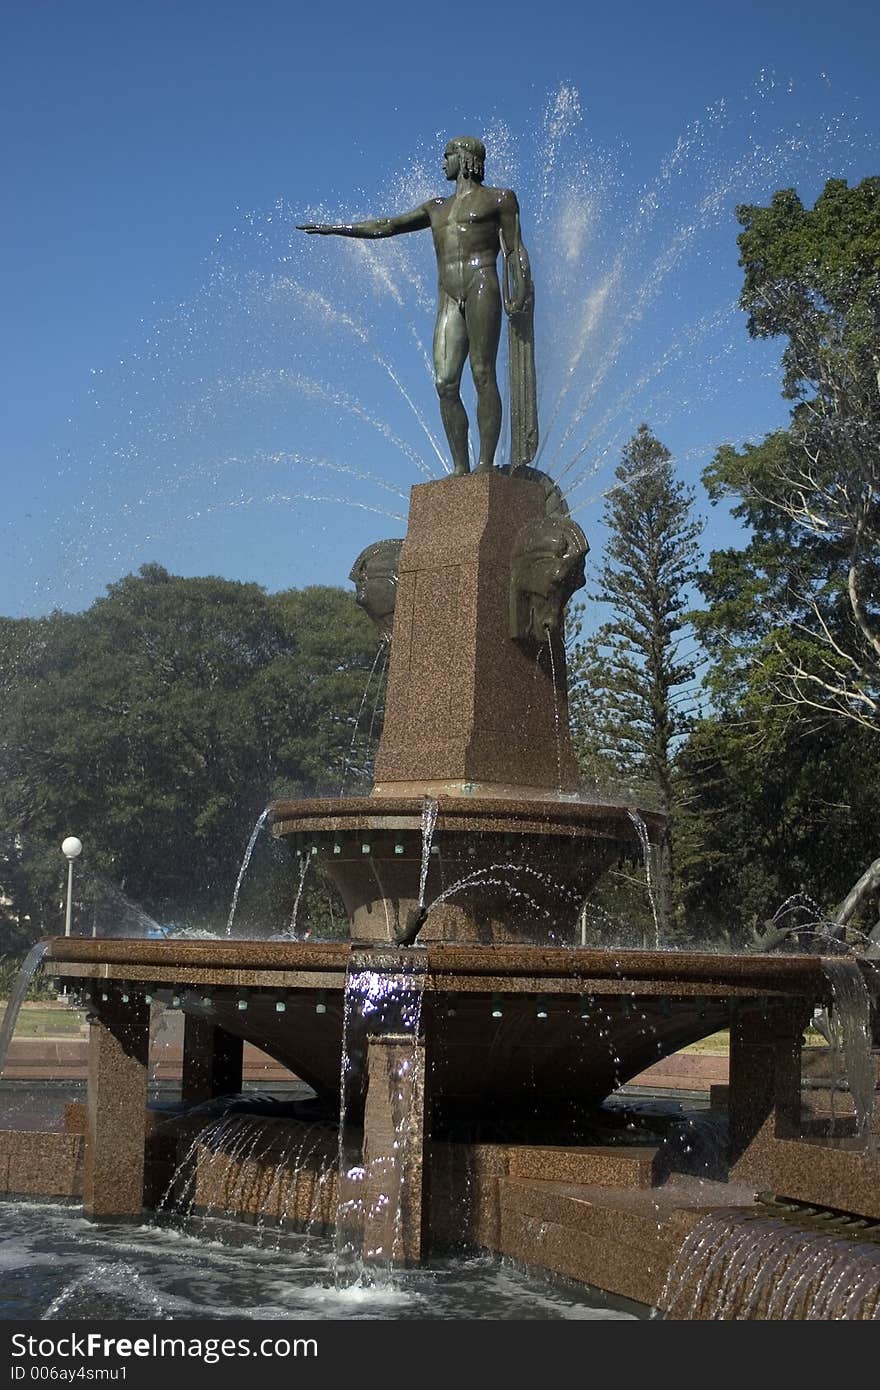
x: 56, y: 1264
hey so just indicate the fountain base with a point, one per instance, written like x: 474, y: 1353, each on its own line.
x: 514, y: 1155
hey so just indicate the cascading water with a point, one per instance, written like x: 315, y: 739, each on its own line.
x: 383, y: 999
x: 180, y: 1192
x: 735, y: 1266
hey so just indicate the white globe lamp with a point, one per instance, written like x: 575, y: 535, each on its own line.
x: 71, y: 848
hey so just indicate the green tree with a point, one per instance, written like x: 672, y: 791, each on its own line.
x: 632, y: 681
x: 793, y: 618
x: 157, y: 725
x: 811, y: 493
x: 775, y: 820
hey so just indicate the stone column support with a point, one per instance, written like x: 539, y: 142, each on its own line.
x: 119, y: 1044
x: 497, y: 712
x: 765, y: 1082
x: 212, y: 1061
x: 394, y: 1138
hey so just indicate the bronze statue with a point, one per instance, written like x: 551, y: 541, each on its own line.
x: 469, y: 230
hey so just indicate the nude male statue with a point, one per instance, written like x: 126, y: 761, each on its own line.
x: 469, y: 230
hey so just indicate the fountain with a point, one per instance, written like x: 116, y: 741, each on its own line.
x: 461, y: 1038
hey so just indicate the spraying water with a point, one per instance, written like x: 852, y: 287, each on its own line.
x: 645, y: 842
x: 851, y: 1028
x: 261, y: 821
x: 305, y: 861
x: 637, y: 267
x: 23, y: 980
x: 430, y: 807
x: 382, y: 651
x: 115, y: 914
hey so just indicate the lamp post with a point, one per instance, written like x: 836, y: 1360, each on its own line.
x: 71, y: 848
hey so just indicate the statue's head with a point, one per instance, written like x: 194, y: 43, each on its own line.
x: 547, y: 566
x: 374, y: 575
x: 467, y: 156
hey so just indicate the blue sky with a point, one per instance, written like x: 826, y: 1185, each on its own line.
x: 184, y: 375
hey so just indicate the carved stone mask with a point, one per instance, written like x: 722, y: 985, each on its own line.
x: 546, y: 567
x: 374, y: 575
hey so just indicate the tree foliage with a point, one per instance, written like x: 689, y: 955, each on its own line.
x: 782, y: 782
x: 630, y: 675
x: 773, y: 823
x: 158, y: 724
x: 803, y: 598
x: 631, y: 680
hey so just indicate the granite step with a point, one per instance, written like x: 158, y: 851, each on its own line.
x: 633, y: 1166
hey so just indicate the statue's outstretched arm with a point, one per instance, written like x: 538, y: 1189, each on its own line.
x: 516, y: 258
x: 376, y: 227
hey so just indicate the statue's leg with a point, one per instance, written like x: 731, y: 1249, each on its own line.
x: 450, y: 354
x: 483, y: 318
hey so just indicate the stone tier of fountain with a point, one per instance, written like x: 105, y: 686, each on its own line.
x: 515, y: 1047
x: 555, y: 1029
x: 497, y: 869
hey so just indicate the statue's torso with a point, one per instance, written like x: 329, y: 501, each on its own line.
x: 466, y: 236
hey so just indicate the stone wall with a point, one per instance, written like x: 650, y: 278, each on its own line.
x: 37, y: 1164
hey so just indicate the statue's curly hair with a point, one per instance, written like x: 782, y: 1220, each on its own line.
x: 472, y: 153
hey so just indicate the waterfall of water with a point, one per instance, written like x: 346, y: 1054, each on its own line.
x: 180, y: 1192
x: 740, y: 1265
x: 381, y: 1000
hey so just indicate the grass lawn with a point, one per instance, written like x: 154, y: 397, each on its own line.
x: 718, y: 1044
x: 48, y: 1020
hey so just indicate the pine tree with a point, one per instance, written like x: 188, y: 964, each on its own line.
x: 632, y: 681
